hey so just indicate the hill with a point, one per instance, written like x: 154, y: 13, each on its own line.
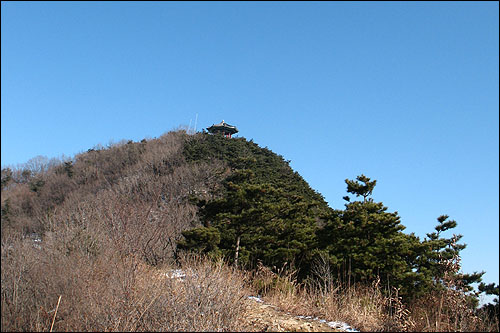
x: 100, y: 228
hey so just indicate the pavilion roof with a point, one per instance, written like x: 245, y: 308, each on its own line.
x: 223, y: 126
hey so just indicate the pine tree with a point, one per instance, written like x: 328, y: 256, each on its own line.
x: 201, y: 240
x: 364, y: 190
x: 366, y: 243
x: 439, y: 261
x: 261, y: 223
x: 491, y: 308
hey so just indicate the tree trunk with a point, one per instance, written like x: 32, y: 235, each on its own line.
x: 237, y: 251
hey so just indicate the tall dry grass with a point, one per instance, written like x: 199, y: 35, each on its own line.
x: 362, y: 307
x: 114, y: 293
x: 369, y: 307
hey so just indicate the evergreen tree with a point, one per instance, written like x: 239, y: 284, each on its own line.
x: 439, y: 261
x: 366, y: 243
x: 201, y: 240
x: 490, y: 289
x: 364, y: 190
x: 258, y: 222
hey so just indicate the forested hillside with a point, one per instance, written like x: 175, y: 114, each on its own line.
x: 266, y: 212
x: 263, y: 212
x: 90, y: 228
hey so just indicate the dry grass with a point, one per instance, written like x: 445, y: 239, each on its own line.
x: 362, y: 307
x: 112, y: 293
x: 446, y: 312
x: 103, y: 290
x: 209, y: 298
x: 367, y: 308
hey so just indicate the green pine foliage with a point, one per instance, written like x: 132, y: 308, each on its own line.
x: 366, y: 242
x: 240, y: 154
x: 201, y: 240
x: 266, y: 211
x: 369, y: 243
x: 439, y: 262
x: 491, y: 289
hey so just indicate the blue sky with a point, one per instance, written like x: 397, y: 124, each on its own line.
x: 404, y: 92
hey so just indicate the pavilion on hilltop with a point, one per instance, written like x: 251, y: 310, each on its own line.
x: 223, y: 128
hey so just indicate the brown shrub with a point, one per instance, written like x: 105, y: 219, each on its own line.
x: 108, y: 292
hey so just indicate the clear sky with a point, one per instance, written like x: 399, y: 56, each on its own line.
x: 404, y: 92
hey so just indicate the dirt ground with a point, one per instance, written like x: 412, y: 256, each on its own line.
x: 261, y: 317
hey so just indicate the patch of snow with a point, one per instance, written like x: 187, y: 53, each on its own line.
x: 37, y: 242
x: 256, y: 298
x: 175, y: 274
x: 342, y: 326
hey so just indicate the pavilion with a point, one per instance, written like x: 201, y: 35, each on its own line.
x: 223, y: 128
